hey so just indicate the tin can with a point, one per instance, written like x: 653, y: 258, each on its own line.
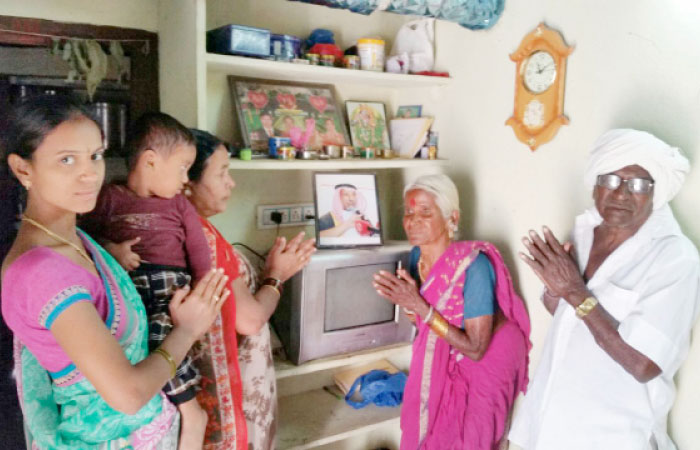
x: 347, y: 151
x: 327, y: 60
x: 274, y: 143
x: 306, y: 154
x: 351, y: 62
x: 245, y: 154
x: 286, y: 152
x: 371, y: 53
x: 432, y: 152
x: 367, y: 152
x: 333, y: 151
x: 313, y: 58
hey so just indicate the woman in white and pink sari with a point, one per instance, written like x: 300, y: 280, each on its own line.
x: 470, y: 356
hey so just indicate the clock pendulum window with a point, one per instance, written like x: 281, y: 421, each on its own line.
x: 538, y: 109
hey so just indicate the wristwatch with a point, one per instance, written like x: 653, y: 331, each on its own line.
x: 586, y: 307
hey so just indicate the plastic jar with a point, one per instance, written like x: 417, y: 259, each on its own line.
x: 371, y: 53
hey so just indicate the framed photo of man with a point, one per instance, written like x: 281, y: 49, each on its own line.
x: 347, y: 210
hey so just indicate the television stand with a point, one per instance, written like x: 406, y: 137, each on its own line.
x: 310, y: 417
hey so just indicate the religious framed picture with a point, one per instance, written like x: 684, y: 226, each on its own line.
x: 347, y: 210
x: 409, y: 111
x: 307, y: 113
x: 367, y: 122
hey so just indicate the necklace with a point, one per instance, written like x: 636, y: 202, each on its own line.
x: 421, y: 269
x: 58, y: 238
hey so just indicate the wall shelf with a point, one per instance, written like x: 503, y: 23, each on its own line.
x: 285, y: 368
x: 277, y: 70
x: 334, y: 164
x: 316, y: 418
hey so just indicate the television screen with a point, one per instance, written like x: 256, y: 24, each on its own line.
x: 363, y: 306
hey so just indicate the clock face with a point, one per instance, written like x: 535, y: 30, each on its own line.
x: 540, y: 72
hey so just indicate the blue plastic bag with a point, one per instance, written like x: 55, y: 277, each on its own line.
x: 379, y: 387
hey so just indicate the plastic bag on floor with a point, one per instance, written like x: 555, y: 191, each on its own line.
x: 379, y: 387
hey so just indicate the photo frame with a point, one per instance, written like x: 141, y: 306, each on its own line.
x: 368, y: 124
x: 308, y: 113
x: 409, y: 111
x: 347, y: 210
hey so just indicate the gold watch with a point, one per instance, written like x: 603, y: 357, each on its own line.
x: 586, y: 307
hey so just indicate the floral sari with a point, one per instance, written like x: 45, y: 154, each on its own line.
x: 222, y: 392
x: 67, y: 412
x: 452, y: 401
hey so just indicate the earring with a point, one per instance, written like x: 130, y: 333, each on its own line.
x: 451, y: 228
x: 187, y: 191
x: 27, y: 184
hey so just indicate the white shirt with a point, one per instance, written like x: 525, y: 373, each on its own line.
x: 580, y: 398
x: 352, y: 231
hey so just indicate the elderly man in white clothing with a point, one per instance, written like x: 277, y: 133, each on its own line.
x: 624, y: 297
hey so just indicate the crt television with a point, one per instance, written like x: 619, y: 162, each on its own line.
x: 331, y: 307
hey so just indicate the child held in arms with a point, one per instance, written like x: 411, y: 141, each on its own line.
x: 155, y: 234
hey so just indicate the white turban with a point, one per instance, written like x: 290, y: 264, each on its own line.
x: 625, y: 147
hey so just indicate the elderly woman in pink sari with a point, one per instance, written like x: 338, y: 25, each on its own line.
x: 470, y: 356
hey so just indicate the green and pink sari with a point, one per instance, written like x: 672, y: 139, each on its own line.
x: 450, y: 401
x: 62, y: 410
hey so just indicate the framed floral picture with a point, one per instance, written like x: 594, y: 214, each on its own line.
x: 367, y: 122
x: 307, y: 113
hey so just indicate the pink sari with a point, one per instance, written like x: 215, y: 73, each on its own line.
x: 451, y: 401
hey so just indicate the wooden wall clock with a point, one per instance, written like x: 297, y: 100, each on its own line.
x: 540, y: 73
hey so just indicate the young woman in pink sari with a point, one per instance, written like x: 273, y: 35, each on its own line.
x: 470, y: 356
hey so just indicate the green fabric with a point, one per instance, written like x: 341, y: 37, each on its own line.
x: 85, y: 420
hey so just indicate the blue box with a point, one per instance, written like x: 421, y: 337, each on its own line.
x: 285, y: 47
x: 239, y: 40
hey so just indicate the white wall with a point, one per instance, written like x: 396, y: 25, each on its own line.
x: 141, y: 14
x: 636, y: 64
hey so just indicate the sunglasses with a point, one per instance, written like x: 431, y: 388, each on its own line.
x: 634, y: 185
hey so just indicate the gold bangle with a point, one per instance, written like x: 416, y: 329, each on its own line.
x: 586, y: 307
x: 272, y: 287
x: 439, y: 325
x: 164, y: 353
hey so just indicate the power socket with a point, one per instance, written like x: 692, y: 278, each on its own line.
x: 293, y: 215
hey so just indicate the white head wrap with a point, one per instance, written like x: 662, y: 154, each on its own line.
x: 625, y: 147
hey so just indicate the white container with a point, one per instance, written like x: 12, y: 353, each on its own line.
x: 371, y: 53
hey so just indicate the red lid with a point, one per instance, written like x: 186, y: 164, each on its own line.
x: 327, y: 49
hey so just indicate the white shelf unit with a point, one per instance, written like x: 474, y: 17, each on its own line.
x: 277, y: 70
x: 337, y: 164
x: 315, y: 417
x: 286, y: 369
x: 194, y: 89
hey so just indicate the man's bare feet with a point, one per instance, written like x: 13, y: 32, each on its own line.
x: 193, y: 424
